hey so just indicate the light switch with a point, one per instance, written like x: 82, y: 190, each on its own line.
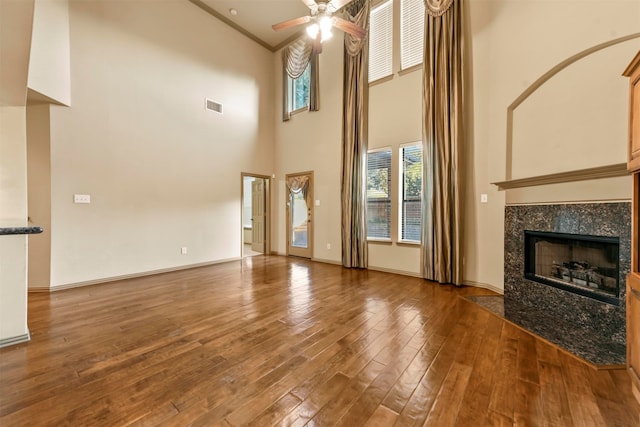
x: 81, y: 198
x: 317, y: 202
x: 484, y: 198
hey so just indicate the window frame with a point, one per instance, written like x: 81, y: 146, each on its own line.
x: 396, y: 51
x: 401, y: 192
x: 291, y: 91
x: 389, y: 198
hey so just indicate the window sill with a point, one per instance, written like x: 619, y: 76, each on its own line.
x: 382, y: 241
x: 299, y: 110
x: 409, y: 243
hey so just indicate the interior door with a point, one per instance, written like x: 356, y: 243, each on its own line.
x: 299, y: 214
x: 257, y: 215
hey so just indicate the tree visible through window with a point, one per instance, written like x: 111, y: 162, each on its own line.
x: 299, y: 91
x: 411, y: 193
x: 378, y: 196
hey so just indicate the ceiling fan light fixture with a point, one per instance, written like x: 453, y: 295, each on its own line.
x: 312, y: 30
x: 325, y: 24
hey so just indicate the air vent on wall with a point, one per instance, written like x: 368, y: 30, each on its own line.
x: 213, y: 105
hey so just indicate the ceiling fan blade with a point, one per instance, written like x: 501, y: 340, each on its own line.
x: 349, y: 27
x: 291, y: 23
x: 339, y: 4
x: 311, y: 4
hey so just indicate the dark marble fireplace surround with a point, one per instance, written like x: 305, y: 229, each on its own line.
x: 597, y: 325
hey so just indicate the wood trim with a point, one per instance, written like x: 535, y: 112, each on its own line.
x: 600, y: 172
x: 635, y: 62
x: 6, y: 342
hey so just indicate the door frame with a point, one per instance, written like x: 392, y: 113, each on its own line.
x: 267, y: 211
x: 310, y: 217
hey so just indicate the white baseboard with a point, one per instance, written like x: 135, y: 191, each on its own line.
x: 129, y: 276
x: 483, y: 285
x: 6, y: 342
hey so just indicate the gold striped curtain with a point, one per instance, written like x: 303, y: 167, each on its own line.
x: 295, y: 59
x: 443, y: 141
x: 355, y: 124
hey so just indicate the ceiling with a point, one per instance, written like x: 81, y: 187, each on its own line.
x: 254, y: 18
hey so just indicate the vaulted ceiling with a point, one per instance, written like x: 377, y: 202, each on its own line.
x: 255, y: 18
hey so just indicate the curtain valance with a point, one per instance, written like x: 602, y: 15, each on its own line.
x: 358, y: 13
x: 297, y: 184
x: 437, y: 7
x: 296, y: 56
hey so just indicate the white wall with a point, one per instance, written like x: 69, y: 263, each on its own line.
x: 49, y: 64
x: 13, y: 213
x: 162, y: 171
x: 16, y: 17
x: 510, y: 45
x: 311, y: 141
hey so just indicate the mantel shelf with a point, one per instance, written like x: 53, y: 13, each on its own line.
x: 600, y: 172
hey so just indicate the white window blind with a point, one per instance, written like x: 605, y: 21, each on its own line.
x: 381, y: 41
x: 411, y: 192
x: 378, y: 196
x: 411, y: 33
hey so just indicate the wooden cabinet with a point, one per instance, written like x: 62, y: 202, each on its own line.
x: 633, y: 72
x: 633, y: 332
x: 633, y: 279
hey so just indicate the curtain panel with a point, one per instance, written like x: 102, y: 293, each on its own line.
x: 443, y: 141
x: 295, y: 58
x: 355, y: 116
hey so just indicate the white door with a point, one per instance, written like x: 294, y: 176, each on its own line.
x: 257, y: 215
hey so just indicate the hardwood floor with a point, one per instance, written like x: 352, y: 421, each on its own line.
x: 271, y: 340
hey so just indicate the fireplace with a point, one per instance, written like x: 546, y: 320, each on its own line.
x: 592, y: 317
x: 583, y: 264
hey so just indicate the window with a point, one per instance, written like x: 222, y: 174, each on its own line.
x: 299, y: 91
x: 411, y: 33
x: 378, y: 196
x: 410, y: 192
x: 381, y: 41
x: 384, y: 27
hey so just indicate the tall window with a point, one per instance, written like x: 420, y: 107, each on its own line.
x: 299, y: 91
x: 378, y: 196
x: 411, y: 33
x: 410, y: 192
x: 381, y: 41
x: 384, y: 27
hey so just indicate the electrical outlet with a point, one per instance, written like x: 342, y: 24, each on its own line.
x: 484, y: 198
x: 183, y: 250
x: 329, y: 246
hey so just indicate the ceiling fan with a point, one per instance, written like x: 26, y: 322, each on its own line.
x: 321, y: 20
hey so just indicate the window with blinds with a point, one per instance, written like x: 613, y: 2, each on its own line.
x: 378, y: 196
x: 381, y: 41
x: 411, y: 192
x: 411, y: 33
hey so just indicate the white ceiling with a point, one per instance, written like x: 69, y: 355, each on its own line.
x: 256, y: 17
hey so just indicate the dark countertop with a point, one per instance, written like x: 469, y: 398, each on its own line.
x: 20, y: 230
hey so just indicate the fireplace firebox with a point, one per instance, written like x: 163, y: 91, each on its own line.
x: 582, y: 264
